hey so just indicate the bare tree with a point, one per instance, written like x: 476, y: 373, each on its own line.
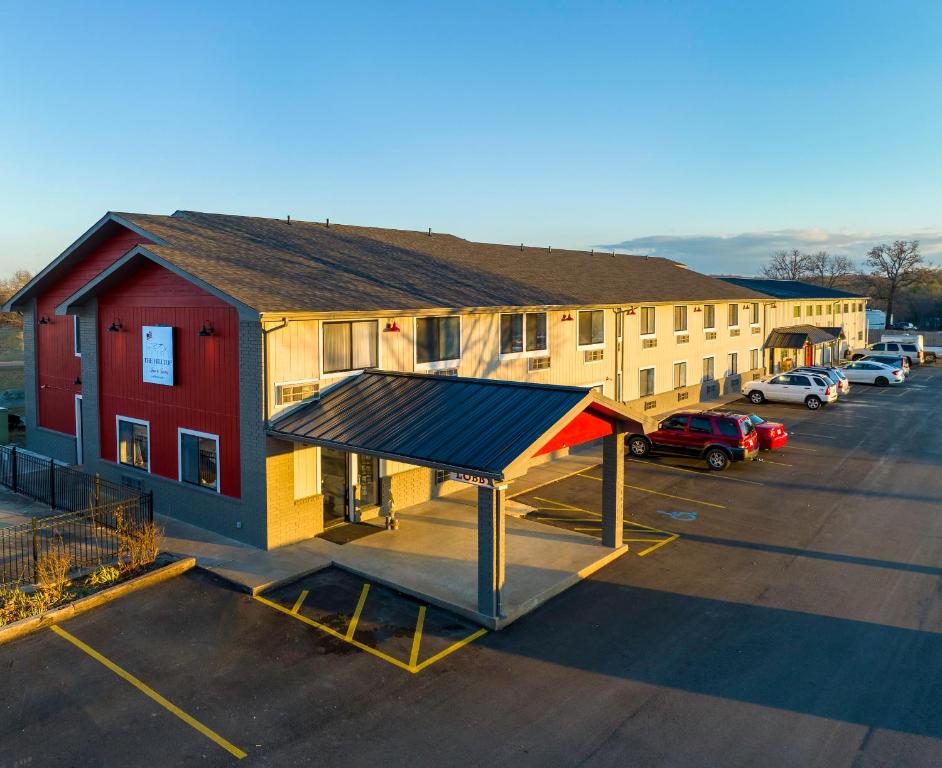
x: 9, y: 286
x: 827, y: 269
x: 787, y: 265
x: 894, y: 267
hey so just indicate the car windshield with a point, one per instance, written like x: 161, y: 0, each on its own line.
x: 756, y: 419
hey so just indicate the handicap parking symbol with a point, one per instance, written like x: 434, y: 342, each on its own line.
x: 685, y: 517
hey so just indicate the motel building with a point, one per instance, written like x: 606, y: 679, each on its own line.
x: 270, y: 379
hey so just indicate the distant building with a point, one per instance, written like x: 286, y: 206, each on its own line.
x: 876, y: 319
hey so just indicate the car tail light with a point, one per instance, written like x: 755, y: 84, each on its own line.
x: 897, y: 373
x: 827, y: 391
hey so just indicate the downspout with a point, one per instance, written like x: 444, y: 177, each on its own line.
x: 265, y: 382
x: 619, y: 353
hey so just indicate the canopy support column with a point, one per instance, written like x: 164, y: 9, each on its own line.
x: 491, y: 539
x: 613, y: 488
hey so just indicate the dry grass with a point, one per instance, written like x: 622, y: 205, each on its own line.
x: 137, y: 547
x: 52, y: 573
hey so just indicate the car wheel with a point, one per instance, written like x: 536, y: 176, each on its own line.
x: 756, y: 397
x: 716, y: 459
x: 881, y: 381
x: 813, y: 402
x: 639, y: 446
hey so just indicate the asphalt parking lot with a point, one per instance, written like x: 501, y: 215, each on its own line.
x: 782, y: 613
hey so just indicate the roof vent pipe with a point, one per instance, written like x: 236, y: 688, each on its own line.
x: 429, y: 231
x: 327, y: 224
x: 289, y: 218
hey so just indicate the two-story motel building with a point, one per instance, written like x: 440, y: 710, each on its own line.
x: 162, y: 351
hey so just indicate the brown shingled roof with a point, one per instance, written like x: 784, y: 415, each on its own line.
x: 273, y: 266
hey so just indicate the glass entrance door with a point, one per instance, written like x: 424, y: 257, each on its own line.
x: 335, y: 482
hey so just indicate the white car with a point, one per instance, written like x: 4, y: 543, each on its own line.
x: 872, y: 372
x: 808, y: 388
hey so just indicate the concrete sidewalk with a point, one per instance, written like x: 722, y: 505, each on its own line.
x: 433, y: 555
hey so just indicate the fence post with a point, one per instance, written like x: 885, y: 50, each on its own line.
x: 52, y: 483
x: 97, y: 490
x: 150, y: 506
x: 35, y: 530
x: 13, y: 465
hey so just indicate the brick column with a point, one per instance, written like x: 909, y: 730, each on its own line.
x: 491, y: 542
x: 613, y: 488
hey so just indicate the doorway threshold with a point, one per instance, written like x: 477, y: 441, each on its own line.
x: 343, y: 532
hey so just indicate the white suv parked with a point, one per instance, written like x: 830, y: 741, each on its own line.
x: 814, y: 391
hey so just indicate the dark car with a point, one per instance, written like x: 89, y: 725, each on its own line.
x: 717, y: 438
x: 902, y: 327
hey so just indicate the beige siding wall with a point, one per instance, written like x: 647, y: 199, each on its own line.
x: 832, y: 314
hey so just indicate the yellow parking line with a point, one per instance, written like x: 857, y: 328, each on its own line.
x: 661, y: 493
x: 708, y: 475
x: 151, y: 693
x: 356, y: 614
x: 597, y: 516
x: 450, y: 649
x: 300, y: 601
x: 780, y: 463
x: 417, y: 638
x: 802, y: 448
x: 656, y: 546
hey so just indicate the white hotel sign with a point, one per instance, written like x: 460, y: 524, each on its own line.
x: 157, y: 353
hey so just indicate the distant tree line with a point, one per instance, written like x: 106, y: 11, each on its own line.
x: 9, y: 286
x: 894, y: 275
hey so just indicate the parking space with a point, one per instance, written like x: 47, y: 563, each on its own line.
x: 783, y: 613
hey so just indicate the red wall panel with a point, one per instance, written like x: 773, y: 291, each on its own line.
x: 57, y: 366
x: 205, y: 394
x: 583, y: 428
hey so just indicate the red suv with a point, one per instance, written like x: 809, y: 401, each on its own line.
x: 718, y: 438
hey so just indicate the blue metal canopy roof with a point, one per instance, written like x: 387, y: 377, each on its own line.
x: 789, y: 289
x: 480, y: 426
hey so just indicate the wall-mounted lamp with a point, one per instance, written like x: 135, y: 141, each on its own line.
x: 632, y: 310
x: 207, y: 329
x: 392, y: 327
x: 567, y: 317
x: 44, y: 320
x: 773, y: 305
x: 77, y: 381
x: 745, y: 306
x: 115, y: 326
x: 697, y: 309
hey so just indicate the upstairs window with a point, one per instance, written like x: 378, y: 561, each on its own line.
x: 754, y: 314
x: 648, y: 321
x: 437, y: 340
x: 350, y: 346
x: 680, y: 318
x: 709, y: 316
x: 796, y: 310
x: 522, y: 332
x: 733, y: 315
x: 591, y: 328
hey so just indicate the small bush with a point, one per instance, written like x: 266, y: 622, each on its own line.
x: 137, y: 547
x: 103, y: 575
x: 52, y: 574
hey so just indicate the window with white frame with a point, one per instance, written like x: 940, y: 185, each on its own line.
x: 733, y: 315
x: 754, y: 314
x: 680, y: 318
x: 591, y: 328
x: 133, y: 442
x: 349, y: 345
x: 199, y: 459
x: 680, y: 374
x: 290, y: 392
x: 709, y: 317
x: 522, y: 333
x: 76, y: 336
x: 709, y: 368
x: 648, y: 321
x: 753, y: 359
x: 796, y: 310
x: 646, y: 382
x: 732, y: 364
x: 437, y: 340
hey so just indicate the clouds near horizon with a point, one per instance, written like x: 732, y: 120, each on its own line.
x: 745, y: 253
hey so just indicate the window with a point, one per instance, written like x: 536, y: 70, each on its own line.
x: 709, y: 368
x: 728, y: 428
x: 349, y: 346
x: 733, y: 315
x: 796, y: 310
x: 591, y: 328
x: 522, y: 332
x: 76, y: 336
x: 133, y: 442
x: 819, y: 309
x: 754, y: 314
x: 538, y: 363
x: 646, y: 383
x: 709, y: 316
x: 701, y: 424
x: 199, y: 459
x: 675, y: 423
x: 593, y: 355
x: 846, y: 308
x: 648, y: 322
x: 860, y: 307
x: 809, y: 310
x: 441, y: 475
x: 437, y: 340
x: 680, y: 318
x: 753, y: 359
x: 680, y: 375
x: 733, y: 364
x: 294, y: 392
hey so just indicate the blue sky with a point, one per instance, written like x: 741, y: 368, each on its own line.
x: 710, y: 132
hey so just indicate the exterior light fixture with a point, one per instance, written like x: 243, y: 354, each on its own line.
x: 567, y: 317
x: 745, y: 306
x: 115, y: 326
x: 77, y: 381
x: 697, y: 309
x: 392, y: 327
x: 207, y: 329
x: 631, y: 310
x: 773, y: 305
x: 44, y: 320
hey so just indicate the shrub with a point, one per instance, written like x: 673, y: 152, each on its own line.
x: 103, y: 575
x: 52, y: 574
x: 136, y: 546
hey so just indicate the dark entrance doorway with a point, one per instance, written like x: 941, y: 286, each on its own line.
x: 335, y: 485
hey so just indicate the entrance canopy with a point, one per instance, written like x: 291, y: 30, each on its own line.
x: 797, y: 336
x: 483, y: 427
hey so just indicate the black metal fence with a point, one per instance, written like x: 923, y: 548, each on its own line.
x: 86, y: 528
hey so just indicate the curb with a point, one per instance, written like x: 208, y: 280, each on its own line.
x: 55, y: 616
